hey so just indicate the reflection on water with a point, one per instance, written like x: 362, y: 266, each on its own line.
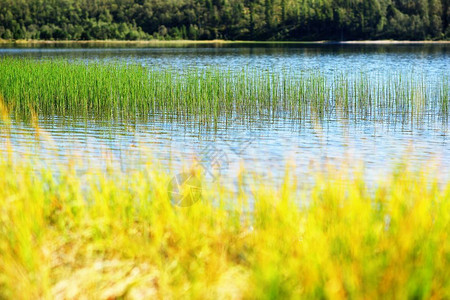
x: 273, y: 144
x: 265, y: 149
x: 428, y: 59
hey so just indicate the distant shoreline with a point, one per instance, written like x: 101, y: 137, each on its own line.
x: 162, y: 42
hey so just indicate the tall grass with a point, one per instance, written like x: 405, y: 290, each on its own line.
x: 111, y: 235
x: 121, y: 91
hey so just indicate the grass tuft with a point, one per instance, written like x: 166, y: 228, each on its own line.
x: 121, y: 91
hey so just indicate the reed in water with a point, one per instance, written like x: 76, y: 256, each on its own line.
x: 129, y: 91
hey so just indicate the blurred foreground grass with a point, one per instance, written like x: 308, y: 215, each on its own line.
x: 109, y: 235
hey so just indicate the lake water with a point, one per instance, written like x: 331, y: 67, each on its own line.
x: 263, y: 147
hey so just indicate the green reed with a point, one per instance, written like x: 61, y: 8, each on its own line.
x: 128, y: 91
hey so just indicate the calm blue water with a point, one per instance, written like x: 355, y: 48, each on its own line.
x: 428, y: 59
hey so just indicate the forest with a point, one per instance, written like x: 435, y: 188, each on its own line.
x: 271, y: 20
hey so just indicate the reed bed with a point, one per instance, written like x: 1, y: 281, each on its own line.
x: 114, y: 235
x: 130, y: 91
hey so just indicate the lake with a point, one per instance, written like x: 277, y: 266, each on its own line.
x: 265, y: 146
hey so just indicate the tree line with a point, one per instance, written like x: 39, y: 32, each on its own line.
x: 224, y: 19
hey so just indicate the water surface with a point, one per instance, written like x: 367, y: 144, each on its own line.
x: 265, y: 146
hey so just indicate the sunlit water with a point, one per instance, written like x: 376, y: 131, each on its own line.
x: 264, y: 147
